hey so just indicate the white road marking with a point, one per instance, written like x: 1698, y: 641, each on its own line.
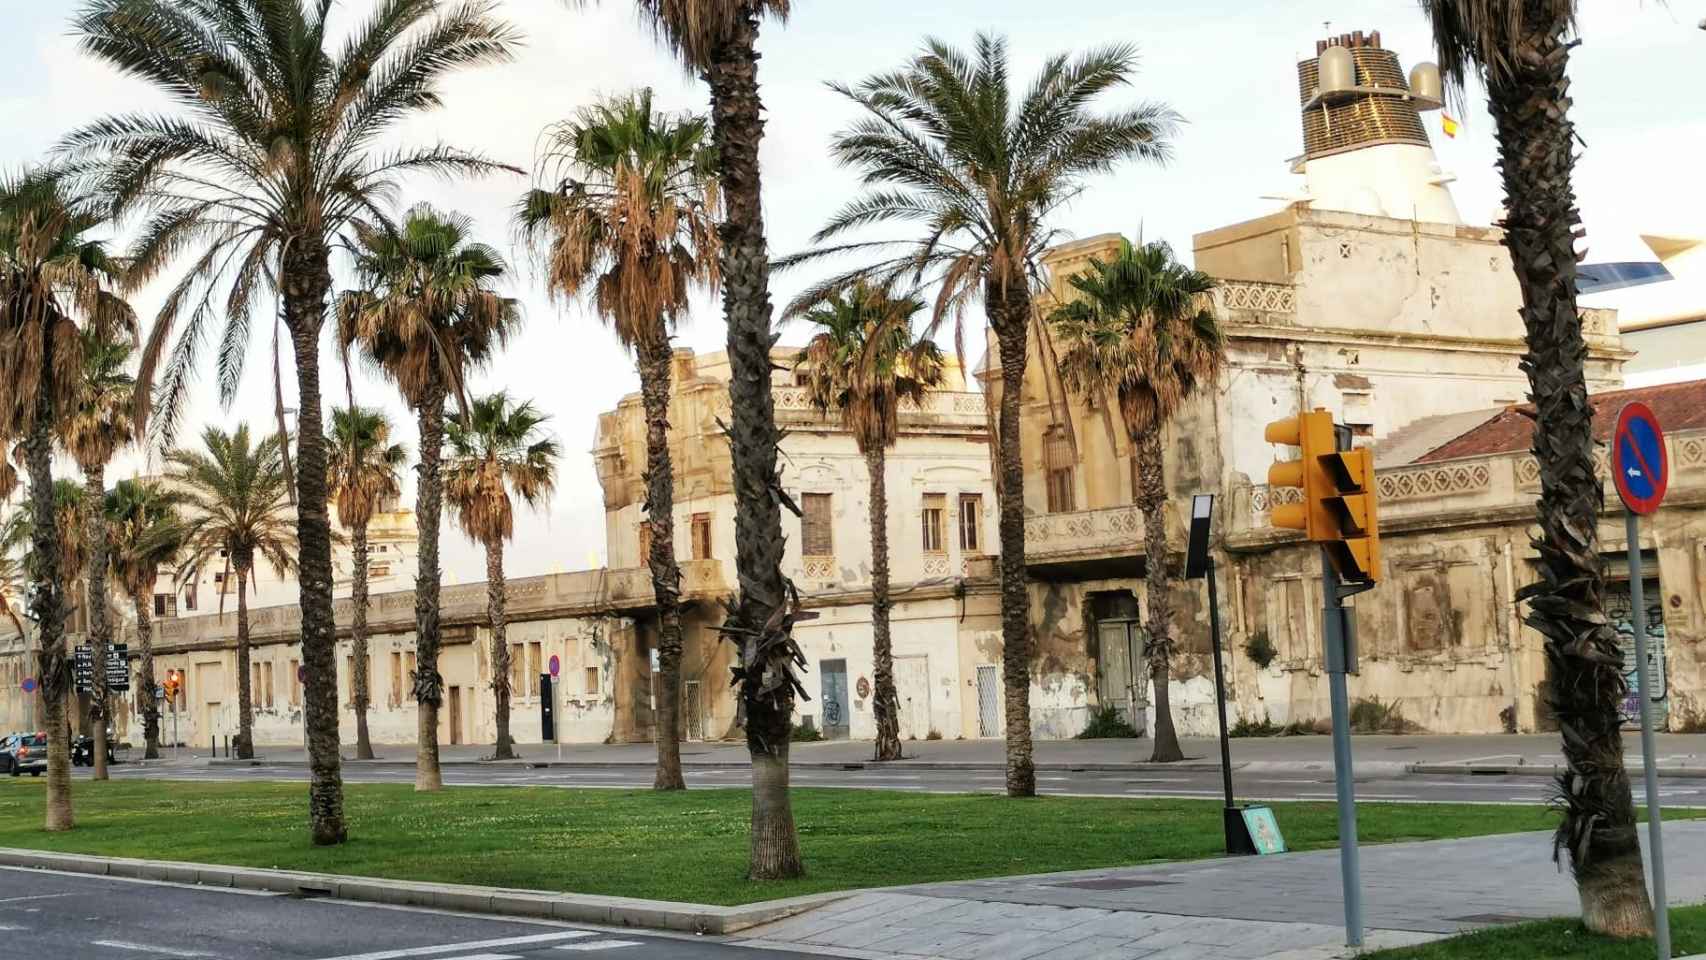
x: 487, y: 956
x: 473, y: 945
x: 148, y: 948
x: 592, y: 945
x: 8, y: 928
x: 39, y: 896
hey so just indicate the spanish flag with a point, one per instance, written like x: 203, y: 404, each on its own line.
x: 1448, y: 124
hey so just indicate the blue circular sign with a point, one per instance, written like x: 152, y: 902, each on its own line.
x: 29, y: 684
x: 1639, y: 465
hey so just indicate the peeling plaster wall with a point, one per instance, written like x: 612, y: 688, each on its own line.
x: 926, y: 637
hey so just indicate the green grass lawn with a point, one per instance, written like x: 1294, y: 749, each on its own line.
x: 684, y: 846
x: 1557, y: 938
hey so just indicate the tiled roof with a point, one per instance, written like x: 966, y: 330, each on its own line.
x: 1679, y: 406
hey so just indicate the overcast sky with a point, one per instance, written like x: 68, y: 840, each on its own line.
x: 1227, y: 65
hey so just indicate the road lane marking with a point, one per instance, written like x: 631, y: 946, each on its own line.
x: 471, y: 945
x: 592, y: 945
x: 148, y: 948
x: 487, y: 956
x: 8, y: 928
x: 39, y: 896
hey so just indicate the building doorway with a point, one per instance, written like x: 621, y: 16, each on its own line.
x: 988, y: 700
x: 1619, y: 608
x: 837, y: 722
x: 693, y: 710
x: 455, y: 715
x: 1122, y: 670
x: 912, y: 689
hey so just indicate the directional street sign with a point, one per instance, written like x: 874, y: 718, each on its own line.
x: 118, y: 668
x: 1639, y: 464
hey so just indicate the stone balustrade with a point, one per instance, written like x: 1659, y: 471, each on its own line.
x: 1113, y: 530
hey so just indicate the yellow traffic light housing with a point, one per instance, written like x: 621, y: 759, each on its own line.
x: 1313, y: 433
x: 1338, y: 503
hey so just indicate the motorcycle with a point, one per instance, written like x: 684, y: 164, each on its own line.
x: 83, y: 750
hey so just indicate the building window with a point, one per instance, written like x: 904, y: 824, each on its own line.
x: 816, y: 538
x: 592, y: 681
x: 378, y: 570
x: 517, y: 663
x: 701, y: 536
x: 1058, y: 460
x: 396, y: 678
x: 536, y: 666
x: 645, y: 537
x: 1060, y: 491
x: 935, y: 506
x: 409, y: 672
x: 267, y: 682
x: 295, y: 683
x: 971, y: 523
x: 165, y: 605
x: 189, y: 597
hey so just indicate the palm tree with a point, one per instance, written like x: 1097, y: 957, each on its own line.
x: 364, y: 468
x: 51, y: 271
x: 146, y: 533
x: 865, y: 364
x: 98, y: 427
x: 1521, y: 54
x: 501, y: 447
x: 14, y: 530
x: 238, y: 508
x: 620, y: 163
x: 276, y: 161
x: 943, y: 148
x: 425, y: 314
x: 718, y: 39
x: 1141, y: 331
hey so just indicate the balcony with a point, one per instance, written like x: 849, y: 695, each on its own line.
x: 939, y: 407
x: 1085, y: 544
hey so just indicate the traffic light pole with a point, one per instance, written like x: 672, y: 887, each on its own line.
x: 1338, y: 635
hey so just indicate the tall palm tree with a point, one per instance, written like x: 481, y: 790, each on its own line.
x: 365, y: 470
x: 865, y: 364
x: 944, y: 147
x: 52, y: 272
x: 14, y: 531
x: 1141, y: 332
x: 146, y: 533
x: 271, y: 158
x: 619, y: 163
x: 425, y: 313
x: 237, y: 508
x: 500, y: 449
x: 718, y: 40
x: 1521, y: 54
x: 98, y: 427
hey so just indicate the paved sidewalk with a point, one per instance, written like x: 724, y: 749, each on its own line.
x: 1373, y: 754
x: 1281, y: 907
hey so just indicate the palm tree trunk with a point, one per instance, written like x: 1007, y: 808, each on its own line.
x: 496, y: 597
x: 145, y: 676
x: 429, y: 509
x: 100, y: 614
x: 1010, y: 315
x: 358, y: 639
x: 307, y: 279
x: 1567, y: 603
x: 48, y: 603
x: 1152, y: 498
x: 245, y: 692
x: 886, y: 706
x: 767, y: 663
x: 654, y: 367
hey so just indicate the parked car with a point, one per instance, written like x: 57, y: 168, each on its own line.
x: 23, y: 753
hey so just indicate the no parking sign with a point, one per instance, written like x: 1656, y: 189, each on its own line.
x: 1639, y: 465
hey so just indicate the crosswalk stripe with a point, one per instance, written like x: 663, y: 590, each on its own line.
x: 472, y: 945
x: 591, y: 945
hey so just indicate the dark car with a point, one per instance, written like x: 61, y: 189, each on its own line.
x: 24, y: 753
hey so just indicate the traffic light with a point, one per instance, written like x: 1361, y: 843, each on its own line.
x: 174, y: 680
x: 1337, y: 506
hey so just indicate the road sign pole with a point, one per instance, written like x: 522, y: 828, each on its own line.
x: 1336, y: 642
x: 1649, y: 757
x: 1220, y: 706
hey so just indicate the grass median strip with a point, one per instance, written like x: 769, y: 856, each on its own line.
x: 689, y: 846
x: 1555, y: 939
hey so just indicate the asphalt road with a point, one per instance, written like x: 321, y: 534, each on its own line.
x: 52, y: 916
x: 1194, y: 784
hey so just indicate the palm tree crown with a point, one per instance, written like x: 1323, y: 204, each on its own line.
x: 147, y: 532
x: 68, y: 499
x: 425, y: 312
x: 364, y: 466
x: 278, y: 155
x: 865, y: 362
x: 1142, y: 328
x: 14, y: 533
x: 943, y: 147
x: 101, y: 422
x: 632, y: 213
x: 237, y: 505
x: 503, y: 447
x: 694, y: 30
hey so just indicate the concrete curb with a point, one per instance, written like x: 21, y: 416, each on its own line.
x: 535, y: 904
x: 977, y: 767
